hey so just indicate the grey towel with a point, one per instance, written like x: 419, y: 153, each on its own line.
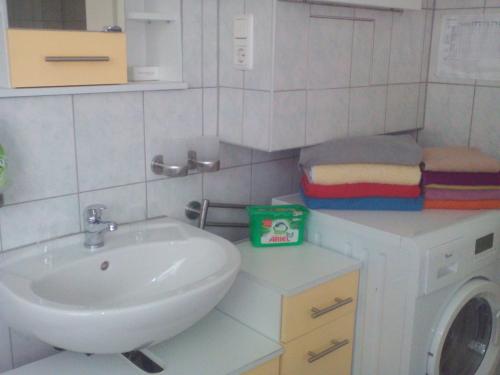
x: 377, y: 149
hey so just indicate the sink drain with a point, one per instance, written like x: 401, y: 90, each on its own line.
x: 104, y: 266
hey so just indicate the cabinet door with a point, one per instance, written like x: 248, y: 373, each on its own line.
x: 41, y: 58
x: 271, y: 367
x: 326, y: 350
x: 317, y: 306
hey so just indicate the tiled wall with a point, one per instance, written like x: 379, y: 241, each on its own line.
x: 459, y: 111
x: 323, y: 72
x: 66, y: 152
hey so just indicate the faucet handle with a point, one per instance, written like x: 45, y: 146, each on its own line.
x: 93, y: 212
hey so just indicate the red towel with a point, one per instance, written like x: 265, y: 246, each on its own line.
x: 462, y: 205
x: 361, y: 190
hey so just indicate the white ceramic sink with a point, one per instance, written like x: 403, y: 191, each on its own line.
x: 148, y: 283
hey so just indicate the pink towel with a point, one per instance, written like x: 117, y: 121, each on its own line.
x: 462, y: 195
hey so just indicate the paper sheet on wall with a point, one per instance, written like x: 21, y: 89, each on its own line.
x: 470, y: 47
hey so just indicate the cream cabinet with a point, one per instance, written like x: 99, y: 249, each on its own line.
x: 392, y: 4
x: 303, y: 297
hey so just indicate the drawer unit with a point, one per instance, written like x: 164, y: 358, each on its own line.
x: 44, y: 58
x: 317, y: 306
x: 305, y: 298
x: 269, y: 368
x: 327, y: 350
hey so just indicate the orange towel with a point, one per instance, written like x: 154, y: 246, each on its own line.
x: 462, y: 205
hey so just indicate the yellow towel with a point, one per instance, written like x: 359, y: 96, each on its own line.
x: 368, y: 173
x: 463, y: 187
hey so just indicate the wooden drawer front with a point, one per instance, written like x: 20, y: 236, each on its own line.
x: 28, y: 50
x: 325, y: 351
x: 331, y: 300
x: 269, y: 368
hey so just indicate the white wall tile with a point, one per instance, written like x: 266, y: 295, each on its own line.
x: 422, y: 99
x: 26, y: 349
x: 259, y: 77
x: 485, y: 133
x: 256, y: 119
x: 402, y: 107
x: 231, y: 115
x: 362, y: 53
x: 5, y: 349
x: 192, y: 42
x: 291, y: 46
x: 109, y: 139
x: 289, y: 120
x: 28, y: 223
x: 327, y: 115
x: 271, y: 179
x: 228, y: 75
x: 493, y: 3
x: 448, y: 115
x: 407, y: 47
x: 381, y: 43
x: 330, y: 44
x: 210, y: 42
x: 367, y: 110
x: 170, y: 196
x: 228, y: 185
x: 170, y: 115
x: 261, y: 156
x: 37, y: 134
x: 210, y: 111
x: 125, y: 204
x: 331, y: 11
x: 232, y: 155
x: 424, y: 73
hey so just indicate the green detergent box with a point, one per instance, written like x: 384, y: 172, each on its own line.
x: 277, y: 225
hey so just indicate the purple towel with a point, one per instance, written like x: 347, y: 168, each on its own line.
x: 461, y: 178
x: 462, y: 195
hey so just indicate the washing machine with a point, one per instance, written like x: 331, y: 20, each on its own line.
x: 429, y: 296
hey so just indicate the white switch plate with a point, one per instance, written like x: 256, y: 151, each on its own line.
x: 243, y: 42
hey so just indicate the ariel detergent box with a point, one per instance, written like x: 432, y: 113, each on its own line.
x: 277, y: 225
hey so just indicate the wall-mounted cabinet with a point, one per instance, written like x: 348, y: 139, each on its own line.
x: 63, y: 43
x: 320, y: 72
x: 391, y: 4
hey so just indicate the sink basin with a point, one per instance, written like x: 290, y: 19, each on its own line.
x: 151, y: 281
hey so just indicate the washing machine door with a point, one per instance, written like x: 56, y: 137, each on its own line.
x: 466, y: 340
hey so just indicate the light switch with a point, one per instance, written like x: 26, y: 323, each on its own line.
x: 243, y: 42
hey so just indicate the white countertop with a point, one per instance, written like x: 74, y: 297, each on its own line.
x: 396, y: 223
x: 216, y: 345
x: 293, y: 269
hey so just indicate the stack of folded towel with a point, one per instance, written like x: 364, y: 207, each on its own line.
x: 363, y: 173
x: 461, y: 178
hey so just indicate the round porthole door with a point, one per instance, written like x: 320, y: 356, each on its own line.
x: 466, y: 340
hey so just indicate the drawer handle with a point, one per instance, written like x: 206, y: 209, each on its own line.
x: 336, y: 345
x: 339, y: 302
x: 75, y: 58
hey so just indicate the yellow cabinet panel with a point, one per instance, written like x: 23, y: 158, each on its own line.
x: 317, y: 306
x: 271, y: 367
x: 324, y: 351
x: 39, y: 58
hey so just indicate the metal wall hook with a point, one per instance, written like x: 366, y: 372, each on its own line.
x: 159, y: 167
x: 199, y: 210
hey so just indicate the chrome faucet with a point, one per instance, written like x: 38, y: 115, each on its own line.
x: 95, y: 227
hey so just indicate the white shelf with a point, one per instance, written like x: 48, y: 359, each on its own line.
x: 150, y: 16
x: 71, y: 90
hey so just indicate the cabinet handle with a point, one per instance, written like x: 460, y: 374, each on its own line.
x: 339, y: 302
x: 75, y: 58
x: 336, y: 345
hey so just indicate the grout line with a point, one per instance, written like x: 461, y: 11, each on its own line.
x: 76, y: 160
x: 472, y: 116
x: 146, y: 212
x: 11, y: 347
